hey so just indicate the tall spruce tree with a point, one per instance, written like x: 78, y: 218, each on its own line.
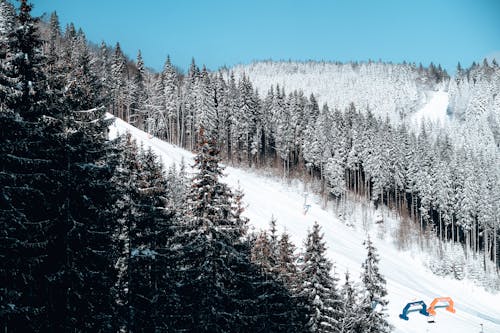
x: 373, y: 300
x: 57, y: 195
x: 318, y: 290
x: 28, y: 188
x: 350, y: 321
x: 151, y: 290
x: 212, y: 265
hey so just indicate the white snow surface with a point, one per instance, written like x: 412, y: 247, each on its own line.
x: 407, y: 279
x: 434, y: 110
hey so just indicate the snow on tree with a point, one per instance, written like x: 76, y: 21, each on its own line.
x: 373, y: 296
x: 211, y: 257
x: 349, y: 321
x: 318, y: 287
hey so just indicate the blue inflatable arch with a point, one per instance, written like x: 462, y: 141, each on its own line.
x: 412, y: 307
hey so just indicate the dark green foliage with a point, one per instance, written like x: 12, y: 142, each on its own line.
x: 28, y: 177
x: 211, y: 257
x: 55, y: 207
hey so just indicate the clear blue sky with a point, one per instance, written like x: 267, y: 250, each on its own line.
x: 226, y: 32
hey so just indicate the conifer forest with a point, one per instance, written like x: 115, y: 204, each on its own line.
x: 99, y: 234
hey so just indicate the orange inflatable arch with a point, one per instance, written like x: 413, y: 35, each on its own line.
x: 432, y: 306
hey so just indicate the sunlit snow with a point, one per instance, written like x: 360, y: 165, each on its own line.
x: 434, y: 110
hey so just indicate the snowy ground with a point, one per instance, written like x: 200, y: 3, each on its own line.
x: 434, y: 110
x: 407, y: 279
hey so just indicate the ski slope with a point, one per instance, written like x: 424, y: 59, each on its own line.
x: 407, y: 279
x: 434, y: 110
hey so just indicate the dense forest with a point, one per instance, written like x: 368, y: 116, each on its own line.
x: 96, y: 236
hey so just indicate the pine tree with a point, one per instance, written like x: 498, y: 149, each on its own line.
x: 318, y: 290
x: 64, y: 244
x: 152, y: 296
x: 278, y: 308
x: 171, y: 102
x: 350, y: 321
x: 7, y: 23
x: 88, y: 215
x: 137, y: 113
x: 7, y: 26
x: 207, y: 117
x: 373, y: 301
x: 29, y: 186
x: 212, y: 281
x: 125, y: 178
x: 118, y: 83
x: 287, y: 263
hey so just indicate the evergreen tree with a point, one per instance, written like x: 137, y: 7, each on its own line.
x: 171, y: 102
x: 138, y: 94
x: 118, y: 84
x: 28, y: 181
x: 152, y: 295
x: 61, y: 275
x: 287, y: 263
x: 373, y: 300
x: 278, y: 308
x: 318, y: 290
x: 213, y: 288
x: 350, y: 321
x: 125, y: 178
x: 7, y: 22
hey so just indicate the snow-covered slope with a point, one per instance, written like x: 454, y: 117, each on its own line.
x: 434, y: 110
x: 407, y: 279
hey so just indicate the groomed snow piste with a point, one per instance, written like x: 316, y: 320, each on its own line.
x: 407, y: 279
x: 434, y: 110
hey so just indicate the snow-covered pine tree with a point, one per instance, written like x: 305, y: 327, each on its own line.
x: 54, y: 42
x: 88, y: 214
x: 137, y: 112
x: 102, y: 66
x: 58, y: 190
x: 318, y: 290
x: 177, y: 185
x: 278, y: 309
x: 189, y: 100
x: 170, y: 96
x: 261, y: 252
x: 311, y: 148
x: 373, y: 296
x: 287, y: 263
x: 152, y: 295
x: 207, y: 116
x: 233, y: 135
x: 118, y: 83
x: 223, y: 113
x: 58, y: 58
x: 350, y: 321
x: 124, y: 178
x: 211, y: 266
x: 29, y: 187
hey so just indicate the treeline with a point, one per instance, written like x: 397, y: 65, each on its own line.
x: 95, y: 236
x: 396, y: 90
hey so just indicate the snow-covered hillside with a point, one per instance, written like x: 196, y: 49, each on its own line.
x: 389, y: 90
x: 434, y: 111
x: 407, y: 279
